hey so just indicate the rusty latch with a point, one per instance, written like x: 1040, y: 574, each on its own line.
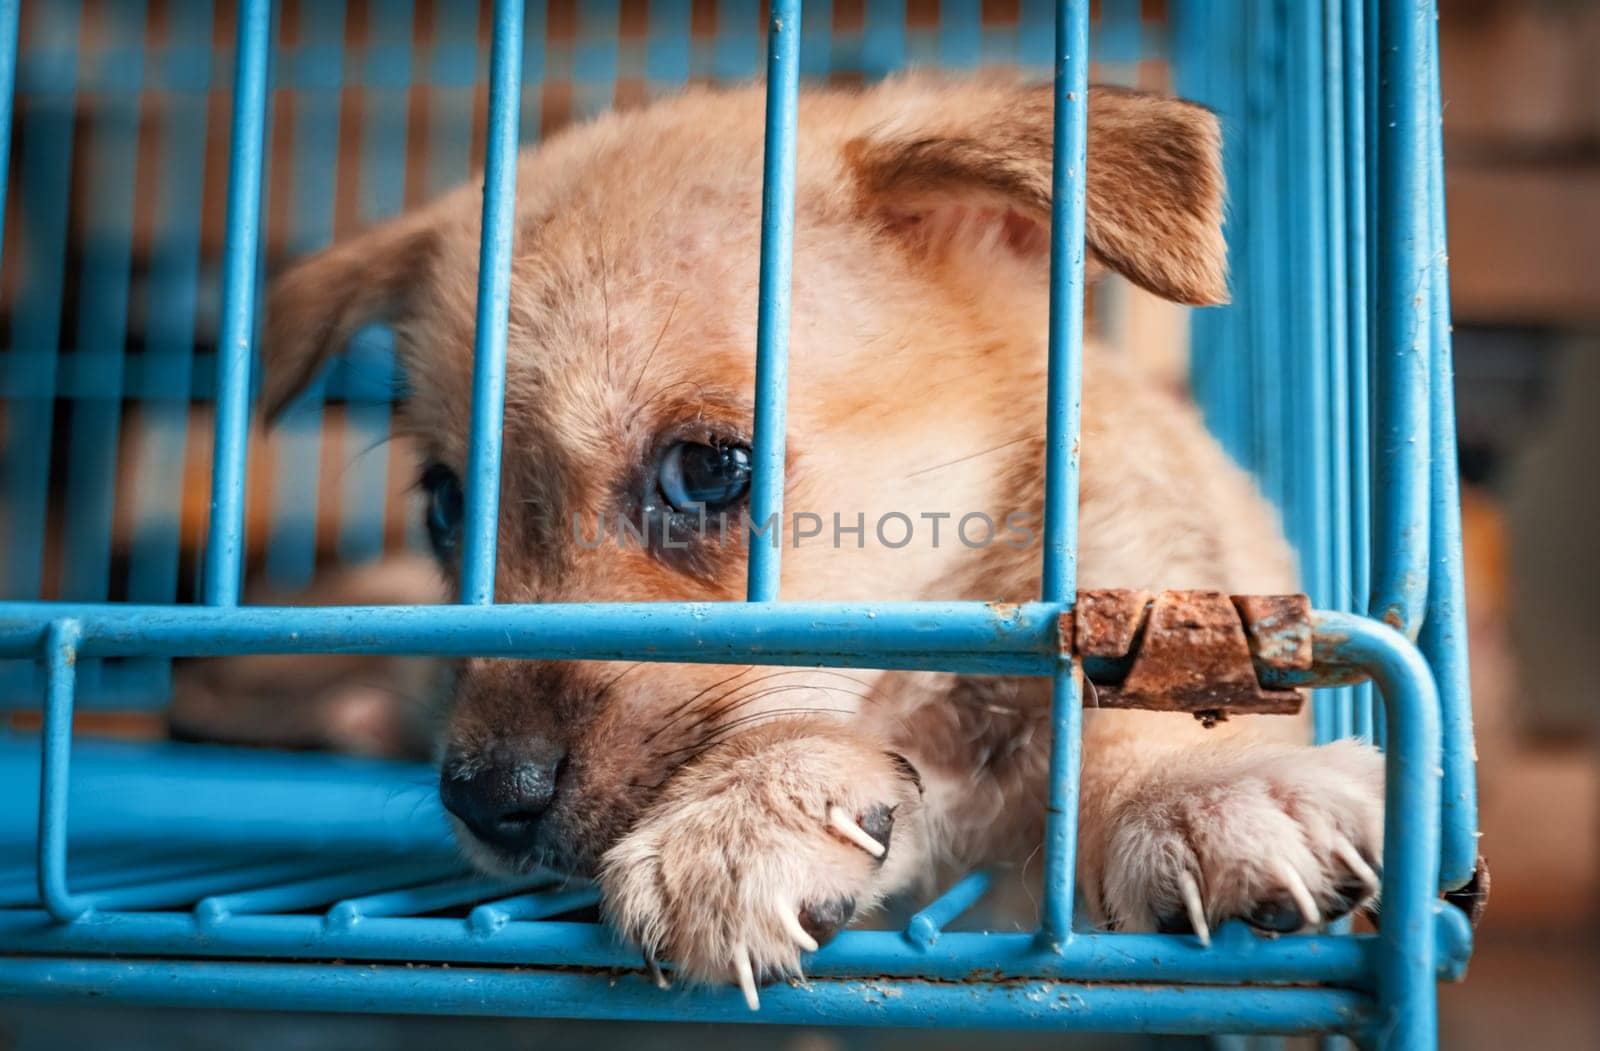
x: 1191, y: 651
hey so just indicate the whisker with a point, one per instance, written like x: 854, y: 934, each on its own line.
x: 971, y: 456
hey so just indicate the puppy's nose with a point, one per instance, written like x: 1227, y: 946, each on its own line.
x: 502, y: 802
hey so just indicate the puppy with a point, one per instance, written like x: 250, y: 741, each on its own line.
x: 736, y: 816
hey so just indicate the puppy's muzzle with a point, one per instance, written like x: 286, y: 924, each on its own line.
x: 504, y: 800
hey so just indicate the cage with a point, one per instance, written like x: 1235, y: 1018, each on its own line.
x: 164, y: 157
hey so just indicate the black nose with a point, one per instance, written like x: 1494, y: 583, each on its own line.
x: 502, y: 801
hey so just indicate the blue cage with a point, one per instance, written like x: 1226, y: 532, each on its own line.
x: 159, y: 873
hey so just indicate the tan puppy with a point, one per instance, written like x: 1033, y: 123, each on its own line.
x: 736, y: 816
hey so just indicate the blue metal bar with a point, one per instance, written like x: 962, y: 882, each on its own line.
x: 1014, y: 640
x: 1359, y: 326
x: 317, y: 889
x: 482, y: 479
x: 9, y: 13
x: 1407, y: 949
x: 1345, y: 960
x: 424, y: 897
x: 314, y: 133
x: 1064, y: 390
x: 1045, y: 1006
x: 61, y: 658
x: 1444, y: 629
x: 103, y: 327
x: 173, y: 281
x: 927, y: 924
x: 384, y: 137
x: 225, y: 541
x: 1335, y: 362
x: 1404, y: 299
x: 770, y: 450
x: 492, y: 917
x: 1065, y: 384
x: 45, y: 180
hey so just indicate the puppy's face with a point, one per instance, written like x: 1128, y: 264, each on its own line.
x: 919, y: 304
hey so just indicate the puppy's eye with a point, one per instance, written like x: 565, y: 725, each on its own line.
x: 442, y: 487
x: 694, y: 475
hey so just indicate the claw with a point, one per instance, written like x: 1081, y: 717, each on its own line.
x: 654, y: 969
x: 846, y: 826
x: 1346, y: 852
x: 747, y: 978
x: 1196, y: 908
x: 1300, y: 893
x: 791, y: 923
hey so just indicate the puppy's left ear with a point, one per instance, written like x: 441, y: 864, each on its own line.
x: 959, y: 160
x: 320, y: 303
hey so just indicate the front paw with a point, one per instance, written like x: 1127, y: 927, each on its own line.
x: 1280, y: 837
x: 762, y: 850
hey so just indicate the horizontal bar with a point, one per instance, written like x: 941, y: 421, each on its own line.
x: 237, y: 804
x: 492, y: 916
x: 425, y: 897
x: 975, y: 637
x: 406, y: 990
x: 1235, y: 955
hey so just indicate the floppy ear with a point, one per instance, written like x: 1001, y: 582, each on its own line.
x: 321, y: 302
x: 1154, y: 184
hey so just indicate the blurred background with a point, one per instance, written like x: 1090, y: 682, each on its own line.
x: 145, y: 153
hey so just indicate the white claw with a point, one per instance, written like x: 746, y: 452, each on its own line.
x: 791, y: 923
x: 846, y: 826
x: 656, y: 976
x: 1346, y: 852
x: 747, y: 978
x: 1300, y: 893
x: 1195, y: 907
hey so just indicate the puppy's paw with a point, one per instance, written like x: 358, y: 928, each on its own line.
x: 764, y: 849
x: 1281, y: 837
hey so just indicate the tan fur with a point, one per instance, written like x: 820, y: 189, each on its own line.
x: 917, y: 381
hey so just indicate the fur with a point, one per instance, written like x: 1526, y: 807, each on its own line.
x: 715, y: 804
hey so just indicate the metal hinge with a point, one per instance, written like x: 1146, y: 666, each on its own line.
x: 1190, y: 651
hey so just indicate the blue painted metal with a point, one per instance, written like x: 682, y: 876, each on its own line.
x: 1287, y: 393
x: 1038, y: 1005
x: 1404, y: 308
x: 1063, y: 395
x: 482, y: 479
x: 61, y: 658
x: 247, y: 158
x: 769, y: 454
x: 1444, y: 628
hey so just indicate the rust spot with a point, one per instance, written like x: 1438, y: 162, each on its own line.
x: 1278, y: 628
x: 1189, y: 651
x: 1107, y: 622
x: 1473, y: 898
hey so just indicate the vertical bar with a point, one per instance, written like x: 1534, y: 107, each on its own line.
x: 1407, y: 1006
x: 368, y: 407
x: 494, y: 303
x: 1405, y: 270
x: 315, y: 55
x: 44, y: 170
x: 1357, y: 162
x: 772, y: 320
x: 225, y: 542
x: 1064, y: 387
x: 60, y: 660
x: 1444, y: 629
x: 110, y: 161
x: 1341, y: 584
x: 9, y: 16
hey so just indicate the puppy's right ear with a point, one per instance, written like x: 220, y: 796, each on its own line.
x: 320, y: 303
